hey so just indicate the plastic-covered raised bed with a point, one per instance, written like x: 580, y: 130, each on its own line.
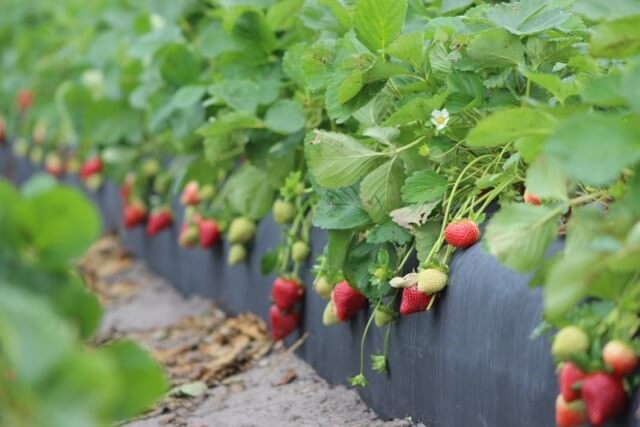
x: 470, y: 362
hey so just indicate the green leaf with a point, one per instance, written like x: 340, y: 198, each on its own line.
x: 283, y: 15
x: 608, y: 91
x: 188, y: 96
x: 426, y: 236
x: 377, y: 23
x: 338, y: 160
x: 546, y: 180
x: 629, y: 87
x: 143, y: 380
x: 496, y: 48
x: 451, y: 5
x: 508, y: 125
x: 64, y: 223
x: 338, y: 242
x: 423, y: 186
x: 380, y: 190
x: 567, y: 282
x: 388, y: 232
x: 593, y: 147
x: 597, y: 10
x: 317, y: 64
x: 561, y: 89
x: 616, y: 39
x: 227, y: 123
x: 33, y: 339
x: 350, y: 86
x: 409, y: 48
x: 519, y: 234
x: 178, y: 65
x: 249, y: 192
x: 416, y: 109
x: 340, y: 209
x: 527, y: 17
x: 238, y: 94
x: 285, y: 116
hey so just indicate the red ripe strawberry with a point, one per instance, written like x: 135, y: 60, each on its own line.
x: 209, y: 232
x: 347, y: 301
x: 158, y: 221
x: 134, y: 214
x: 190, y: 194
x: 604, y: 396
x: 531, y: 199
x: 413, y: 301
x: 24, y: 100
x: 462, y: 233
x: 620, y: 357
x: 568, y: 376
x: 569, y: 414
x: 282, y: 323
x: 90, y: 167
x: 286, y: 293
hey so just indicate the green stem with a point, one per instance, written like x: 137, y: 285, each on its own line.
x: 436, y: 246
x: 364, y: 337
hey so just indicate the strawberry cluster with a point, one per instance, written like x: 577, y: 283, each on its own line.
x: 197, y: 229
x: 286, y: 294
x: 597, y: 395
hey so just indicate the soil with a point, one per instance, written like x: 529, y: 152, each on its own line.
x: 224, y: 371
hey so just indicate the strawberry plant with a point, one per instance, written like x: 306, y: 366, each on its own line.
x: 50, y: 376
x: 406, y: 129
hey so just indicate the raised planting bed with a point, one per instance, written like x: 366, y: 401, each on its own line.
x: 468, y: 362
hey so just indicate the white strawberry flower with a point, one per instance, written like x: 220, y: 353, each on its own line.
x: 440, y: 118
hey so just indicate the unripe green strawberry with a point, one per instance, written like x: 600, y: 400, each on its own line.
x: 323, y: 287
x: 570, y: 340
x: 299, y: 251
x: 383, y: 315
x: 150, y: 167
x: 21, y: 147
x: 94, y: 182
x: 237, y: 254
x: 283, y: 212
x: 207, y: 192
x: 241, y: 230
x: 432, y: 280
x: 329, y: 316
x: 36, y: 155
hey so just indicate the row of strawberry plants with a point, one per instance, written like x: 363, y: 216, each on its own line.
x: 392, y: 124
x: 49, y: 375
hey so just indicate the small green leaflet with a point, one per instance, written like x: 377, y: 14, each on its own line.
x: 527, y: 16
x: 507, y: 125
x: 519, y: 234
x: 388, y: 232
x: 340, y: 209
x: 285, y: 116
x: 546, y: 180
x: 378, y: 22
x: 338, y: 242
x: 338, y: 160
x: 496, y: 48
x: 380, y: 190
x: 423, y: 186
x: 594, y: 147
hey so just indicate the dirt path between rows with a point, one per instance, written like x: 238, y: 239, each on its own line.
x: 224, y: 371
